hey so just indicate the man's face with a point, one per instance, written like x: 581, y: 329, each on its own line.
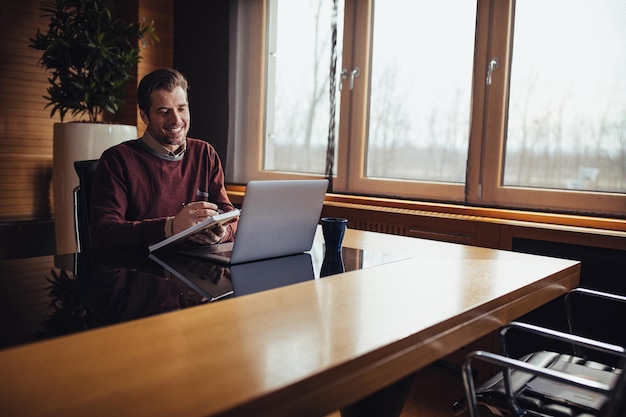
x: 168, y: 120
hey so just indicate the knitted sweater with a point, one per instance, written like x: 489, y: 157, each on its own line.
x: 135, y: 189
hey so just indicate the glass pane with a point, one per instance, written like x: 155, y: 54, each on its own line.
x: 420, y: 89
x: 567, y: 110
x: 299, y: 59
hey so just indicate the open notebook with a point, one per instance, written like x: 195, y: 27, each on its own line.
x: 278, y: 218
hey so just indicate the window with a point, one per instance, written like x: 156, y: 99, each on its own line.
x: 420, y: 94
x: 488, y: 102
x: 568, y: 97
x: 554, y: 117
x: 298, y: 84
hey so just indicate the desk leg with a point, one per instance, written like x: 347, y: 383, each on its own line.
x: 388, y: 402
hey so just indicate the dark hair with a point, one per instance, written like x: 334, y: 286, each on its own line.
x: 162, y: 79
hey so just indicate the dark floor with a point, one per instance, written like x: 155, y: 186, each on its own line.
x: 433, y: 392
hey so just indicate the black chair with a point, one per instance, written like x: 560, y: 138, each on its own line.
x: 82, y: 195
x: 526, y: 385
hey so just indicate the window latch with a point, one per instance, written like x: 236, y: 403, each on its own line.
x: 493, y: 65
x: 353, y: 74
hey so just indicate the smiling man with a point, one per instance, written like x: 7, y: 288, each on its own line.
x: 150, y: 188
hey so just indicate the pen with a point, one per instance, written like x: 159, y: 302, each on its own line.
x: 219, y: 211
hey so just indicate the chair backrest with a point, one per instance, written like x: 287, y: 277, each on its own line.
x: 578, y: 303
x: 82, y: 196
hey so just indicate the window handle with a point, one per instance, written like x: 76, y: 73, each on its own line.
x: 493, y: 65
x: 353, y: 74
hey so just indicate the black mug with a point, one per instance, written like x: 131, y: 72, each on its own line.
x: 334, y: 228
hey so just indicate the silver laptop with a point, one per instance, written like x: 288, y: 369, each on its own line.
x: 278, y: 218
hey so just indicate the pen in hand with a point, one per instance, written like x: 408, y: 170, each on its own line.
x: 219, y: 210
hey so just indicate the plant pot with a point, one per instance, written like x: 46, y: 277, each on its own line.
x: 72, y: 142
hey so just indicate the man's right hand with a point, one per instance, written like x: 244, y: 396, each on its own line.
x: 193, y: 213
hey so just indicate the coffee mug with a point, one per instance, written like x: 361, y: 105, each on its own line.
x: 334, y: 228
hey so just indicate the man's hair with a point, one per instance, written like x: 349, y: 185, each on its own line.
x: 162, y: 79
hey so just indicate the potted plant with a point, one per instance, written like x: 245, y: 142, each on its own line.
x: 90, y: 56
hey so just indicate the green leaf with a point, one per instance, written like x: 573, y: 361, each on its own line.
x: 90, y: 55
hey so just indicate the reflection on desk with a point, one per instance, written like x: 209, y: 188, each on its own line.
x: 86, y: 292
x: 216, y: 281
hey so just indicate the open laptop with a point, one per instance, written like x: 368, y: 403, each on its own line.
x: 278, y: 218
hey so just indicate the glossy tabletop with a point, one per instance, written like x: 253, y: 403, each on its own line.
x: 304, y: 349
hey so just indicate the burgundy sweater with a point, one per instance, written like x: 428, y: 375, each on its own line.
x: 135, y: 189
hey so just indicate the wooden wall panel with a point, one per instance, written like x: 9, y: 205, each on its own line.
x: 25, y: 126
x: 153, y: 55
x: 25, y: 181
x: 161, y: 54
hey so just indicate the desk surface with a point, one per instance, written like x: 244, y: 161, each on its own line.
x: 305, y: 349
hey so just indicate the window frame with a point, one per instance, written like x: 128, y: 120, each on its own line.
x: 355, y: 103
x: 489, y: 189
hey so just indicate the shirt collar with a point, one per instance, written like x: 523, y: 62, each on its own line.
x: 156, y: 146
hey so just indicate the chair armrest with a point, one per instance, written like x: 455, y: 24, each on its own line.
x: 560, y: 336
x: 596, y: 293
x: 589, y: 293
x: 508, y: 363
x: 584, y: 292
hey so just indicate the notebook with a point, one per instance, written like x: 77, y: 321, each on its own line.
x: 278, y: 218
x: 210, y: 222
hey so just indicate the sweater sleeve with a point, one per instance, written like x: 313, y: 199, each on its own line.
x: 218, y: 190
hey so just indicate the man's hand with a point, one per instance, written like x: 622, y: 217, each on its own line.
x: 196, y: 212
x: 209, y: 236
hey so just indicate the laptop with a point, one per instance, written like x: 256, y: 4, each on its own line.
x: 278, y: 218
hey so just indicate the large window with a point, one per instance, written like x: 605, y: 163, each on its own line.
x: 518, y: 104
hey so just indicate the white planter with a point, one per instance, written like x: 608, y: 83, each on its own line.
x: 73, y: 142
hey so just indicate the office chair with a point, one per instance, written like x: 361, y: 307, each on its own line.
x: 82, y: 195
x: 526, y: 386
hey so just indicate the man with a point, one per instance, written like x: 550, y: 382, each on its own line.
x: 148, y: 189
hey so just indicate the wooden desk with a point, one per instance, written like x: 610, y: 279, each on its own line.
x: 307, y: 349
